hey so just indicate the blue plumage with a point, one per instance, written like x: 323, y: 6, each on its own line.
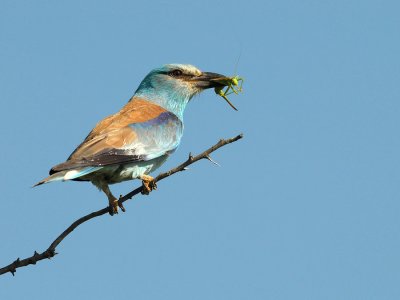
x: 139, y: 138
x: 158, y: 136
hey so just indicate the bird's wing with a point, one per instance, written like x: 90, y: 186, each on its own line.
x: 140, y: 131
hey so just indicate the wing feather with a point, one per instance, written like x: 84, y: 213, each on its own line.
x: 140, y: 133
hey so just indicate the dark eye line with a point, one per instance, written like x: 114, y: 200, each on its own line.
x: 176, y: 73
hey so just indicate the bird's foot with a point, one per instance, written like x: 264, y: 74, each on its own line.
x: 148, y: 184
x: 114, y: 204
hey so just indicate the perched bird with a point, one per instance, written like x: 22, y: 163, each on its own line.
x: 140, y: 137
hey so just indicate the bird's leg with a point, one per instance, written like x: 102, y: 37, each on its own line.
x: 148, y: 184
x: 112, y: 201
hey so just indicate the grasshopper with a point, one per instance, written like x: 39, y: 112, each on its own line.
x: 232, y: 86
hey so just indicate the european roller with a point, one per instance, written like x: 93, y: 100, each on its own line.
x: 140, y: 137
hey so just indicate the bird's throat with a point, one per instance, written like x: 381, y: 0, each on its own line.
x: 172, y: 102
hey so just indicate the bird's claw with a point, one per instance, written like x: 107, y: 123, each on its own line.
x: 121, y: 206
x: 113, y: 206
x: 148, y: 184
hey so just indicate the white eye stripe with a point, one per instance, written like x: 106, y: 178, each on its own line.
x: 186, y: 69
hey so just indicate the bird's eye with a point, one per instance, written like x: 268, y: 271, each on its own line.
x: 176, y: 73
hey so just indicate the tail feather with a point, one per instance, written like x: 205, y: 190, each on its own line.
x: 72, y: 174
x: 55, y: 177
x: 68, y: 175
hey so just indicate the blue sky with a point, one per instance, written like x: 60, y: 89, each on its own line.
x: 304, y: 207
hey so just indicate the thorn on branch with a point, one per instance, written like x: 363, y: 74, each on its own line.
x: 213, y: 161
x: 190, y: 157
x: 14, y: 265
x: 50, y: 253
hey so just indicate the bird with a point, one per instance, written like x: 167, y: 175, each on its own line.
x: 140, y: 137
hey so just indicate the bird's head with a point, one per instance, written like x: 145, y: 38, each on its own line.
x: 172, y: 86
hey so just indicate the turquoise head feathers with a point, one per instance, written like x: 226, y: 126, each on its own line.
x: 173, y: 85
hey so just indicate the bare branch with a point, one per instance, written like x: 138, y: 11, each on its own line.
x: 51, y: 250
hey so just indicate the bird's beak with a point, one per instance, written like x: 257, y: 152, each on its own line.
x: 209, y: 80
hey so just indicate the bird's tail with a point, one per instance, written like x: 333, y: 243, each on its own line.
x: 54, y: 177
x: 68, y: 175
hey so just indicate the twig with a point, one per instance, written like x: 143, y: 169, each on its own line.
x: 51, y: 250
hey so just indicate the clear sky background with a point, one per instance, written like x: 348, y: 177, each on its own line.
x: 306, y: 206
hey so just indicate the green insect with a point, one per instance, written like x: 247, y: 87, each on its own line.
x: 233, y: 86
